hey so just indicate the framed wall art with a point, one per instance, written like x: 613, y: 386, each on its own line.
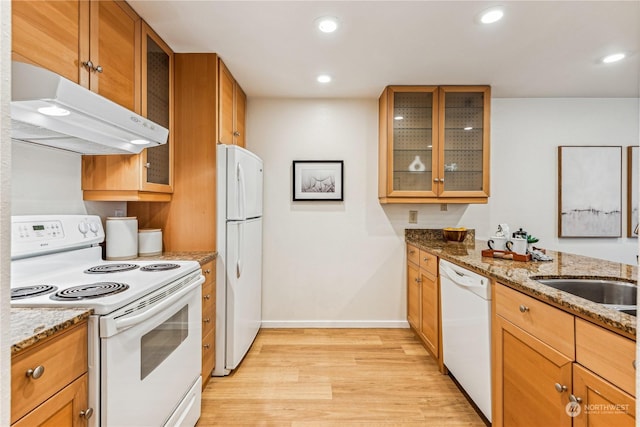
x: 632, y: 191
x: 590, y: 191
x: 318, y: 180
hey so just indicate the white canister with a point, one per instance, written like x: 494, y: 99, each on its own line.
x: 122, y: 237
x: 149, y: 241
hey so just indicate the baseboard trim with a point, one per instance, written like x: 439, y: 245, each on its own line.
x: 371, y: 324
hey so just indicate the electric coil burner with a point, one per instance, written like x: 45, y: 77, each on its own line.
x: 110, y: 268
x: 160, y: 267
x: 32, y: 291
x: 92, y: 290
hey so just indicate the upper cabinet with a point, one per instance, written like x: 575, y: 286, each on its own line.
x: 147, y: 176
x: 434, y: 144
x: 95, y: 44
x: 232, y: 106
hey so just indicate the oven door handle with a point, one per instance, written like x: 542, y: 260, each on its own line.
x: 125, y: 322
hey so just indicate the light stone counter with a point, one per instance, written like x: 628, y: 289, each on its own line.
x: 32, y: 325
x: 517, y: 275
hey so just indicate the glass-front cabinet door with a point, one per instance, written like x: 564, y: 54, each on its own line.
x: 434, y: 144
x: 464, y: 141
x: 157, y: 99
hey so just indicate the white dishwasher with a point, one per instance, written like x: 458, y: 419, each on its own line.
x: 466, y: 331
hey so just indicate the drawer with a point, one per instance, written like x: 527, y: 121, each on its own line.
x: 209, y: 271
x: 208, y: 355
x: 208, y: 308
x: 549, y: 324
x: 429, y: 262
x: 63, y: 357
x: 607, y: 354
x: 413, y: 254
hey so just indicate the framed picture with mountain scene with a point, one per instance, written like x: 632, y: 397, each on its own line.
x: 590, y: 191
x: 318, y: 180
x: 633, y: 154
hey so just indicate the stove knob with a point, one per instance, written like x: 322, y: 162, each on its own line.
x: 93, y: 227
x: 83, y: 227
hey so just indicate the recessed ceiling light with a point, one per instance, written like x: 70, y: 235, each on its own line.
x: 324, y: 78
x: 327, y: 24
x: 53, y: 110
x: 613, y: 58
x: 492, y: 15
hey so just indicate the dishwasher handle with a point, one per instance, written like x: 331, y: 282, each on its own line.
x: 462, y: 279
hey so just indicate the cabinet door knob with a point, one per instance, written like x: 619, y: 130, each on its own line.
x: 425, y: 259
x: 436, y: 180
x: 411, y: 252
x: 147, y: 165
x: 88, y: 64
x: 560, y: 388
x: 206, y: 346
x: 574, y: 399
x: 524, y: 309
x: 207, y: 320
x: 441, y: 179
x: 87, y: 413
x: 36, y: 372
x: 236, y: 133
x: 98, y: 69
x: 207, y: 271
x: 207, y: 296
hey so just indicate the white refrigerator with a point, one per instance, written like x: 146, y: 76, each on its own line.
x: 239, y: 261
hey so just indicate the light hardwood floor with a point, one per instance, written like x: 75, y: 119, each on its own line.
x: 336, y: 377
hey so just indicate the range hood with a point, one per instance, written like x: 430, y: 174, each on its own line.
x: 48, y: 109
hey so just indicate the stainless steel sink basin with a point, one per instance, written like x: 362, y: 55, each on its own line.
x: 617, y: 294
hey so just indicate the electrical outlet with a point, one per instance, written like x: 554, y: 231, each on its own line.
x: 413, y: 217
x: 443, y: 207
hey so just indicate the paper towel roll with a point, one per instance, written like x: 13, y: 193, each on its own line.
x: 122, y: 237
x: 149, y: 241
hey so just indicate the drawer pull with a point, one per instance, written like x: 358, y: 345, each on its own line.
x: 425, y: 259
x: 207, y: 320
x: 87, y: 413
x: 207, y: 297
x: 36, y: 372
x: 206, y: 346
x: 560, y: 388
x: 412, y: 251
x: 524, y: 309
x: 207, y: 271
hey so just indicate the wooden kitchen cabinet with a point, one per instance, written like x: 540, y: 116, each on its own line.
x: 434, y: 144
x: 232, y: 105
x: 423, y: 299
x: 93, y: 43
x: 147, y: 176
x: 545, y: 358
x: 58, y: 397
x: 208, y: 321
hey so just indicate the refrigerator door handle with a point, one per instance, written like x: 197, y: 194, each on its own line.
x: 240, y: 250
x: 242, y: 192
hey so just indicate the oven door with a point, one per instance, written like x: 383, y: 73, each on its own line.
x: 150, y: 358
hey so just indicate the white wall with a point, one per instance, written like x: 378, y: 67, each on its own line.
x: 342, y: 263
x: 48, y: 181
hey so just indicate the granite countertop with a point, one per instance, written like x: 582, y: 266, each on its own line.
x: 202, y: 257
x: 516, y: 274
x: 31, y: 325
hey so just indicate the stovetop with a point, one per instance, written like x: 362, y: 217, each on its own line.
x: 58, y: 256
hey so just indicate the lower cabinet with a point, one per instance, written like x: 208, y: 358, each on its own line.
x: 208, y: 321
x: 554, y: 369
x: 49, y: 381
x: 423, y: 299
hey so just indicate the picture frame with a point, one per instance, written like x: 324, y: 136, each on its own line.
x: 590, y: 191
x: 318, y: 180
x: 633, y: 153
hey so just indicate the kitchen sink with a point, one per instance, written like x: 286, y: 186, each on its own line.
x: 621, y: 296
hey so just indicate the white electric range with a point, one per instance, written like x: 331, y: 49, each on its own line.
x: 145, y: 330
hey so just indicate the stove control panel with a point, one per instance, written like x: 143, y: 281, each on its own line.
x: 39, y: 234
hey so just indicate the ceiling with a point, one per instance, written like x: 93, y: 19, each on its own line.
x: 539, y: 48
